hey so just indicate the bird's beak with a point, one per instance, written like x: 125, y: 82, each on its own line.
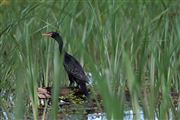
x: 47, y: 34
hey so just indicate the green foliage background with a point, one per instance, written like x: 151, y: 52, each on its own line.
x: 132, y: 44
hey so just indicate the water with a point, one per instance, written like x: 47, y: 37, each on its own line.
x: 128, y: 115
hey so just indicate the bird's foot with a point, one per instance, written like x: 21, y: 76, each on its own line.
x: 71, y: 85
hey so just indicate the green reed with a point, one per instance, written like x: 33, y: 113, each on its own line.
x: 124, y: 44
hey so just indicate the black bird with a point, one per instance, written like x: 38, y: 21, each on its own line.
x: 72, y: 66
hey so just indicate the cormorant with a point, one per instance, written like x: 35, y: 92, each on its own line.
x: 72, y: 66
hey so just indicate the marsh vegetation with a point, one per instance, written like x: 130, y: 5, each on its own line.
x: 128, y: 47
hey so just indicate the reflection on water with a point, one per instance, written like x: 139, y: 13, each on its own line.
x: 5, y: 115
x: 129, y: 115
x: 96, y: 116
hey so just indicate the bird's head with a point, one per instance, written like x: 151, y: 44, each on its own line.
x: 56, y: 37
x: 51, y: 34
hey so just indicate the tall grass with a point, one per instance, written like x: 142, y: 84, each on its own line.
x: 125, y: 45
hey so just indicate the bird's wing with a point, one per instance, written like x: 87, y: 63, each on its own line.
x: 74, y: 68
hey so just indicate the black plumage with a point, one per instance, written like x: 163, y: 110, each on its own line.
x: 72, y: 66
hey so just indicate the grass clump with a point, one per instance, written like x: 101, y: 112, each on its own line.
x: 126, y: 45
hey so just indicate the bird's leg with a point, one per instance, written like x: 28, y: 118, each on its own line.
x: 83, y: 88
x: 77, y: 85
x: 71, y: 84
x: 71, y: 79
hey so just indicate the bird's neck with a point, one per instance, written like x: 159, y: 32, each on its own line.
x: 60, y: 42
x: 61, y: 48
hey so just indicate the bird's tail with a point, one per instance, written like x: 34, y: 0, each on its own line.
x: 84, y: 89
